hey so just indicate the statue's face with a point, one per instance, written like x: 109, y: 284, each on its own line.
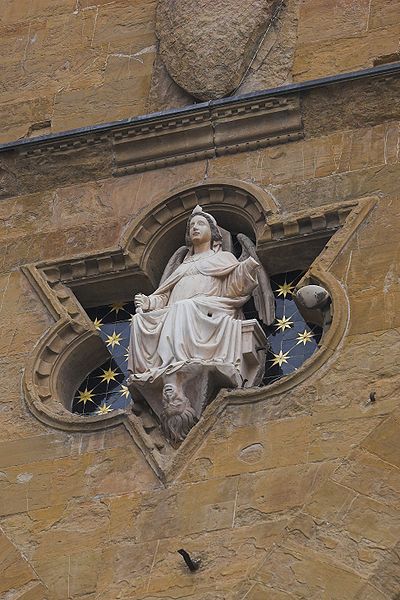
x: 174, y: 404
x: 199, y: 230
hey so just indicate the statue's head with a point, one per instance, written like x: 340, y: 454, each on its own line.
x: 202, y: 227
x: 171, y: 398
x: 178, y: 416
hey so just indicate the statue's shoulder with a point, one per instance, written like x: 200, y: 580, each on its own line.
x: 226, y: 257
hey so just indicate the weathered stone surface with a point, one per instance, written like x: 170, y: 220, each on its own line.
x: 362, y: 107
x: 35, y: 592
x: 367, y: 474
x: 15, y: 572
x: 208, y: 47
x: 12, y: 13
x: 382, y: 441
x: 370, y: 592
x: 339, y: 37
x: 260, y: 592
x: 336, y: 433
x: 336, y: 544
x: 386, y: 576
x: 302, y: 572
x: 164, y: 92
x: 279, y: 491
x: 295, y: 496
x: 62, y: 61
x: 124, y: 77
x: 222, y: 562
x: 68, y: 58
x: 273, y: 63
x: 268, y: 438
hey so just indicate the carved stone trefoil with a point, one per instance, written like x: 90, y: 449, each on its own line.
x: 72, y: 347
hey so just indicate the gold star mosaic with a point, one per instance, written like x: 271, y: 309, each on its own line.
x: 292, y: 340
x: 105, y: 389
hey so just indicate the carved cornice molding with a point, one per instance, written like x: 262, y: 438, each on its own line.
x: 306, y: 222
x: 170, y: 140
x: 206, y: 130
x: 88, y: 267
x: 214, y: 132
x: 72, y: 347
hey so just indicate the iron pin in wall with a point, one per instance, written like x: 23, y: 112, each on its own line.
x: 193, y: 565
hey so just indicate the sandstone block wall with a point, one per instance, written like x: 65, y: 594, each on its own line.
x: 73, y: 63
x: 298, y: 498
x: 288, y: 499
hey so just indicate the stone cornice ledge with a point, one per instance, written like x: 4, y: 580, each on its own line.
x: 195, y: 132
x: 207, y: 133
x: 170, y: 139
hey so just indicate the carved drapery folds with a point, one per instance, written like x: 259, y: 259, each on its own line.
x: 72, y: 347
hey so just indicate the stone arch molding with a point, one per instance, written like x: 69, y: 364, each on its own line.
x: 246, y: 201
x: 72, y: 348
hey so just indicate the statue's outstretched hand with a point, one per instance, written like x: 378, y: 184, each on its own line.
x: 142, y: 302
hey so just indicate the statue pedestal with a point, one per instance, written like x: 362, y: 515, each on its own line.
x: 180, y: 397
x: 254, y: 347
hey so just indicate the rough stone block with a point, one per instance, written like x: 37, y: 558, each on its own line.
x: 14, y: 570
x: 277, y: 491
x: 324, y: 20
x: 372, y: 520
x: 383, y: 13
x: 28, y: 10
x: 371, y: 476
x: 33, y: 449
x: 383, y: 441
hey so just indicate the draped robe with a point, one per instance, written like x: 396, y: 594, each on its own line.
x: 194, y: 317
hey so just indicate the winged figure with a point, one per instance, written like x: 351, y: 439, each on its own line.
x: 263, y: 296
x: 193, y: 321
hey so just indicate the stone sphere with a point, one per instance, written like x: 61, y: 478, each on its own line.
x: 312, y: 296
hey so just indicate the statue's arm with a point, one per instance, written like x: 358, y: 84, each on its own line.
x: 242, y: 280
x: 246, y: 275
x: 158, y: 301
x: 262, y: 293
x: 145, y: 303
x: 251, y: 265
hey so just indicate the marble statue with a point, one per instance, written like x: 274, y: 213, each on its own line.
x: 188, y: 338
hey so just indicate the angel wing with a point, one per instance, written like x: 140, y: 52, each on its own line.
x: 174, y: 262
x: 263, y: 296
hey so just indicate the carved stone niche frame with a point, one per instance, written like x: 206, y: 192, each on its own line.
x: 72, y: 347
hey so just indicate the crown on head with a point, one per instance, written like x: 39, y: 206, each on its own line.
x: 199, y: 211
